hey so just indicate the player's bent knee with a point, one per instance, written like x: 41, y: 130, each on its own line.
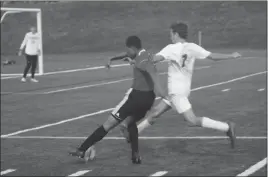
x: 110, y: 123
x: 195, y: 121
x: 190, y: 117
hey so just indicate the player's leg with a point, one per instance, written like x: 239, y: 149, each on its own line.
x: 95, y: 137
x: 134, y: 142
x: 162, y: 107
x: 118, y: 114
x: 182, y: 105
x: 27, y: 67
x: 33, y: 69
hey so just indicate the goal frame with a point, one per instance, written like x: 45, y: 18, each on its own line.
x: 38, y: 12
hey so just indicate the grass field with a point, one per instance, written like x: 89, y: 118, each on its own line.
x: 41, y: 122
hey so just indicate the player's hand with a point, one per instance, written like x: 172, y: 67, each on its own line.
x: 20, y: 53
x: 236, y: 55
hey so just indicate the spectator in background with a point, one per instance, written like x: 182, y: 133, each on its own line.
x: 31, y: 43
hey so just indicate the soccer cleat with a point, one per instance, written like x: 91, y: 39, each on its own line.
x: 23, y: 79
x: 77, y: 153
x: 124, y: 132
x: 136, y: 158
x: 34, y: 80
x: 231, y: 134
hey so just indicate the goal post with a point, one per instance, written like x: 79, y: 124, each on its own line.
x: 38, y: 12
x: 200, y: 38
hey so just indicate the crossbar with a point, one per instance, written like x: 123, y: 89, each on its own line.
x: 20, y: 9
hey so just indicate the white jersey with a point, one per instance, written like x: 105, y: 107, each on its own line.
x: 32, y: 43
x: 181, y: 58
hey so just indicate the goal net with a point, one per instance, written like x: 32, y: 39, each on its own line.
x: 20, y: 19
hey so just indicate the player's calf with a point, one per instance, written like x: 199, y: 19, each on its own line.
x: 134, y: 141
x: 206, y: 122
x: 152, y: 116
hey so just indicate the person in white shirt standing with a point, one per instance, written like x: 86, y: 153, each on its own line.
x: 32, y: 44
x: 181, y: 57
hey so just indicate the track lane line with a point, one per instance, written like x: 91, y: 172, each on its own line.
x: 106, y: 110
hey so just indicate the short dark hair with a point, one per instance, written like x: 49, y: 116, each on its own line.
x: 133, y: 41
x: 181, y: 29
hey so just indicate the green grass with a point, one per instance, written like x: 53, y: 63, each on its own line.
x: 103, y: 26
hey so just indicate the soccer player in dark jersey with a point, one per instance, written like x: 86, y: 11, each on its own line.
x: 137, y: 101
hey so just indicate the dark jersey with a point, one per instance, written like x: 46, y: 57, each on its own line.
x: 142, y: 66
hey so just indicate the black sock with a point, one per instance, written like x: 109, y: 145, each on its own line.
x: 93, y: 138
x: 133, y: 137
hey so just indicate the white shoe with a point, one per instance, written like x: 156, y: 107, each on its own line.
x: 34, y: 80
x: 23, y: 79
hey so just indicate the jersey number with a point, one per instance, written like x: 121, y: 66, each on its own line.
x: 184, y: 58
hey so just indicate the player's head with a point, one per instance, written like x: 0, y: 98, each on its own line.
x: 178, y: 32
x: 33, y: 29
x: 134, y: 45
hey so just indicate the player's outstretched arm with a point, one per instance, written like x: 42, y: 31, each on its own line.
x: 118, y: 57
x: 219, y: 56
x: 158, y: 58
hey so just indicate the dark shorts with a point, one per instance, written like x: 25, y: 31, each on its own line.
x: 135, y: 104
x: 31, y: 57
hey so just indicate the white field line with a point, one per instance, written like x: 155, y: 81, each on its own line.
x: 90, y: 68
x: 254, y: 168
x: 80, y: 173
x: 57, y: 123
x: 70, y: 71
x: 10, y: 74
x: 225, y: 90
x: 159, y: 173
x: 22, y: 93
x: 100, y: 84
x: 106, y: 110
x: 260, y: 90
x: 142, y: 137
x: 86, y: 86
x: 7, y: 171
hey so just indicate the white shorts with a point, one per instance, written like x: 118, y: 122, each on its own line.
x: 179, y: 103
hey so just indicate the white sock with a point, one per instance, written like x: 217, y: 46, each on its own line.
x: 144, y: 124
x: 213, y: 124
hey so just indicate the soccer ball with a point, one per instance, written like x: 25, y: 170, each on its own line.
x: 90, y: 154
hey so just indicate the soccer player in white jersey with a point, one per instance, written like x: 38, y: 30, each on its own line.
x: 32, y: 45
x: 181, y: 56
